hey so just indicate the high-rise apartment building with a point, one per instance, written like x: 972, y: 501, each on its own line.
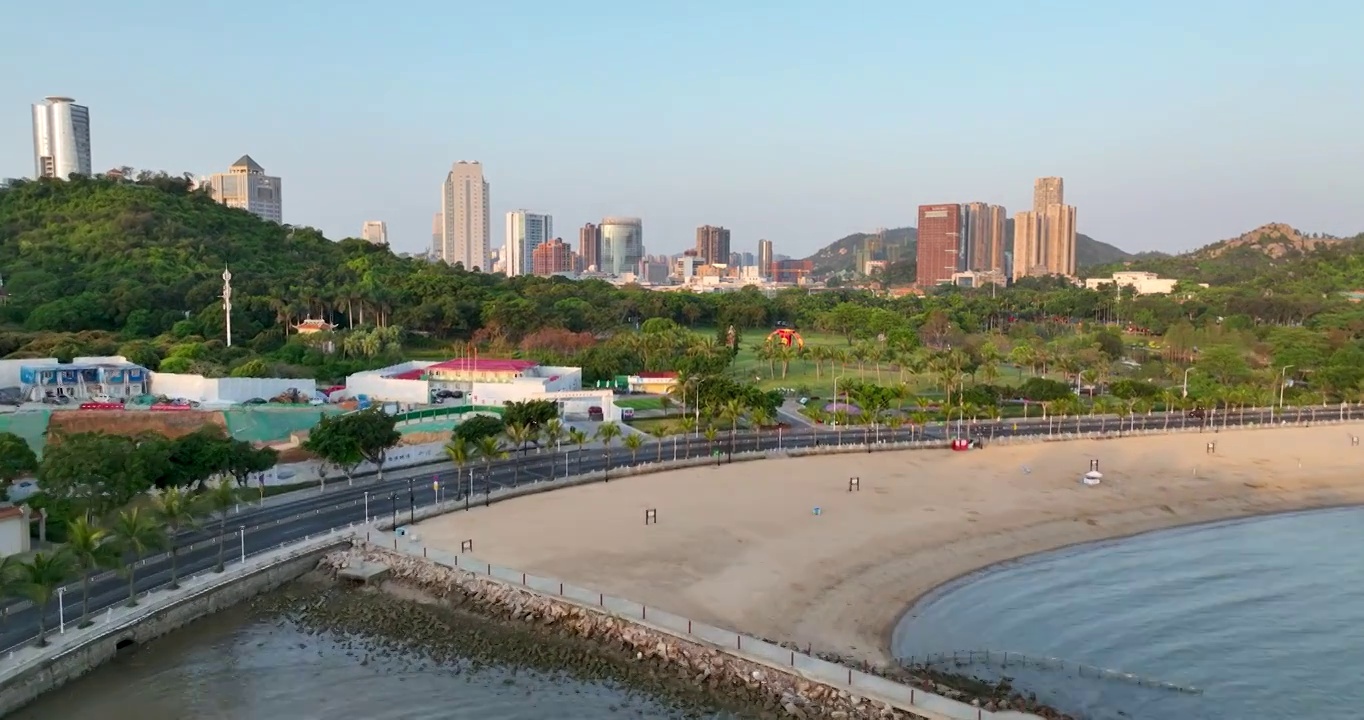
x: 712, y: 243
x: 437, y: 232
x: 984, y: 229
x: 1048, y: 191
x: 1044, y: 238
x: 464, y: 224
x: 940, y: 252
x: 765, y: 258
x: 552, y: 258
x: 525, y: 232
x: 375, y: 231
x: 246, y: 186
x: 61, y: 138
x: 589, y: 246
x: 622, y: 245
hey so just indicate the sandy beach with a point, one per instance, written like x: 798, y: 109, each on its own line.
x: 739, y: 546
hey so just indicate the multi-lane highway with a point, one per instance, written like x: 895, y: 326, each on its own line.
x: 254, y: 529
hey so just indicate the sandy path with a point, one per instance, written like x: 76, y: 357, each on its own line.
x: 738, y: 545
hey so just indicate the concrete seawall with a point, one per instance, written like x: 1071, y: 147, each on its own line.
x: 800, y: 685
x: 34, y: 671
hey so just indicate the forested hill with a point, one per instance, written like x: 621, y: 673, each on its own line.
x: 840, y: 255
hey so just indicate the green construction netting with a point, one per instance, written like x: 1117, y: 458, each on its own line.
x: 270, y: 424
x: 428, y: 427
x: 31, y: 425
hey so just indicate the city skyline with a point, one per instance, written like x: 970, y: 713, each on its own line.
x: 1136, y: 130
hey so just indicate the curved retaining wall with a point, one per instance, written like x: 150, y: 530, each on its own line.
x: 33, y: 671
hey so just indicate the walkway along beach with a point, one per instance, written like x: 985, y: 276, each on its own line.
x: 784, y: 549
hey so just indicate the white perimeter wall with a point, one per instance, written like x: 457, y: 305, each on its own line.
x: 13, y: 536
x: 9, y: 369
x: 382, y: 389
x: 228, y: 390
x: 569, y: 378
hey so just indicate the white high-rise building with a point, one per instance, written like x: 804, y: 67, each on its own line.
x: 61, y: 138
x: 525, y: 232
x: 375, y: 231
x: 464, y: 217
x: 246, y: 186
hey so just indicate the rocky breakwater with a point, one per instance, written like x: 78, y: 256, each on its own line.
x: 768, y: 692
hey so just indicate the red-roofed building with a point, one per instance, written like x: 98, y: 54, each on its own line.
x: 471, y: 370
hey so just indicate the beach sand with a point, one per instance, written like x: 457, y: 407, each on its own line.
x: 739, y: 546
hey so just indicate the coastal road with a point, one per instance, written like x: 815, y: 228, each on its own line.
x: 253, y: 529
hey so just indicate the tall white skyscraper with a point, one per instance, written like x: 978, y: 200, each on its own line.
x: 375, y: 231
x: 61, y: 138
x: 525, y: 232
x: 464, y: 217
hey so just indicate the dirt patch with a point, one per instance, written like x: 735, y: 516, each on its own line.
x: 170, y: 424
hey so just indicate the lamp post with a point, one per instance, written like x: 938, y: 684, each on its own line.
x: 61, y: 610
x: 227, y: 303
x: 366, y: 507
x: 1185, y: 393
x: 411, y: 503
x: 435, y: 489
x: 1283, y: 383
x: 242, y: 533
x: 393, y: 500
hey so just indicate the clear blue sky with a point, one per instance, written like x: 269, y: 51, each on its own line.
x: 1174, y: 124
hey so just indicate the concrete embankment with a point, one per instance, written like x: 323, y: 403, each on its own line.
x: 31, y: 672
x: 782, y: 690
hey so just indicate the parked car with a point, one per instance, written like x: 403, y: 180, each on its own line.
x: 254, y: 401
x: 627, y: 413
x: 594, y: 413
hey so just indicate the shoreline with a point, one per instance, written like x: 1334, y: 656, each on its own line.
x: 736, y: 547
x: 936, y: 593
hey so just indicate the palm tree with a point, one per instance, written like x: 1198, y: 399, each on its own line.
x: 89, y: 550
x: 710, y: 434
x: 633, y: 442
x: 518, y: 435
x: 176, y: 510
x: 687, y: 425
x: 489, y: 448
x: 38, y: 579
x: 579, y: 438
x: 606, y: 432
x: 135, y: 533
x: 461, y: 453
x: 733, y: 410
x: 220, y: 499
x: 658, y: 432
x: 553, y: 433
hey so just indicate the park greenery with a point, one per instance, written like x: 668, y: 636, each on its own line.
x: 133, y: 266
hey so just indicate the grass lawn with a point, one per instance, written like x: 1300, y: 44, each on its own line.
x: 648, y: 403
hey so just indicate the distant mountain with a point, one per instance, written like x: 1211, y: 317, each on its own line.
x: 1276, y: 240
x: 1265, y: 252
x: 840, y: 255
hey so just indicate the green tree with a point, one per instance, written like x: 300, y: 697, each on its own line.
x: 135, y: 533
x: 579, y: 438
x: 176, y: 510
x: 633, y: 442
x: 519, y: 435
x: 553, y: 433
x: 95, y: 472
x: 37, y: 580
x: 220, y: 499
x: 90, y: 550
x: 530, y: 413
x: 16, y: 458
x: 335, y: 442
x: 489, y: 448
x: 461, y: 452
x: 478, y: 427
x: 243, y: 459
x: 606, y: 432
x: 199, y: 456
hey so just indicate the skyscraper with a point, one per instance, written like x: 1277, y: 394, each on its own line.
x: 61, y: 138
x: 464, y: 207
x: 622, y: 245
x: 940, y: 251
x: 1047, y: 191
x: 1044, y: 238
x: 437, y: 232
x: 984, y: 227
x: 525, y: 232
x: 552, y: 258
x: 589, y: 246
x: 765, y: 258
x: 712, y: 243
x: 375, y: 231
x: 246, y: 186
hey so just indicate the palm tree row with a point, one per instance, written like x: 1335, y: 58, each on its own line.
x: 120, y: 544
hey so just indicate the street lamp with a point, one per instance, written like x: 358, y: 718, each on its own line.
x: 393, y: 500
x: 1283, y: 382
x: 61, y: 610
x: 242, y: 532
x: 411, y: 503
x: 366, y: 507
x: 1186, y: 382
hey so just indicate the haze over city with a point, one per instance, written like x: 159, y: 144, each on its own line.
x: 1174, y: 125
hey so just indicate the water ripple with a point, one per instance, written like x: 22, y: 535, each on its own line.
x: 1265, y: 615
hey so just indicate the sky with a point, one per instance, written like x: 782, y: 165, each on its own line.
x: 1174, y: 124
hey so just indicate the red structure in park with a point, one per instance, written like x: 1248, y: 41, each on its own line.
x: 787, y: 337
